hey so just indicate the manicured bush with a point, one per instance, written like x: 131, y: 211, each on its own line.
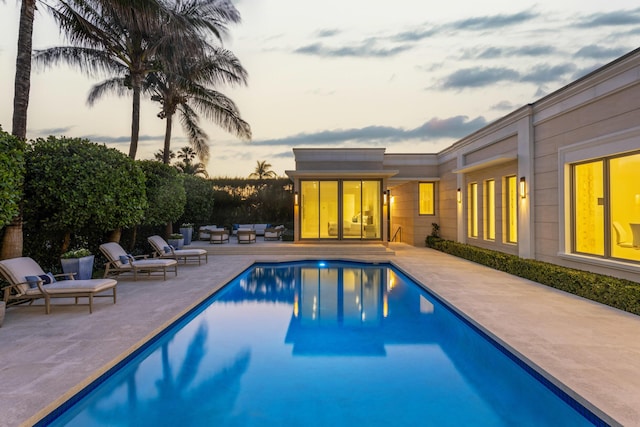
x: 165, y: 193
x: 619, y: 293
x: 76, y: 191
x: 200, y: 200
x: 12, y: 171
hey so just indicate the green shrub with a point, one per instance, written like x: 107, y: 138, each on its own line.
x: 12, y: 171
x: 619, y: 293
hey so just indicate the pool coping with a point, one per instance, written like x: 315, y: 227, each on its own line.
x: 443, y: 275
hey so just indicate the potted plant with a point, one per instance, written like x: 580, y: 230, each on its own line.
x: 78, y: 261
x: 176, y: 240
x: 186, y: 230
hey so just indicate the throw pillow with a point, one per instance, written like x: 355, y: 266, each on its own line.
x: 167, y: 249
x: 124, y: 259
x: 32, y: 281
x: 47, y: 278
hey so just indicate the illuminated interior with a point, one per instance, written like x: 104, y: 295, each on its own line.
x: 427, y: 198
x: 589, y: 207
x: 490, y: 210
x: 341, y: 209
x: 473, y: 210
x: 606, y: 207
x: 511, y: 210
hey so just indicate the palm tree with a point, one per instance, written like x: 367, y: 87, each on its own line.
x: 12, y: 241
x: 159, y: 155
x: 186, y: 166
x: 263, y: 170
x: 186, y: 88
x: 120, y: 38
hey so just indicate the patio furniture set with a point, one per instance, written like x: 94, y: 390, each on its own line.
x: 245, y: 233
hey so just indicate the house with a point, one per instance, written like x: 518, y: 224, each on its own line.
x: 556, y: 180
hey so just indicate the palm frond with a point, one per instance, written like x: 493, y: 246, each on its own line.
x: 115, y: 85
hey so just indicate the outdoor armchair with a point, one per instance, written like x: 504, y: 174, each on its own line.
x: 119, y: 262
x: 27, y: 284
x: 163, y: 250
x: 246, y: 236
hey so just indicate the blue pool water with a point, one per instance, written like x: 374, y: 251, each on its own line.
x: 337, y: 344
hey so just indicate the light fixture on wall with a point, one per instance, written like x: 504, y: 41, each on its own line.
x: 385, y: 197
x: 295, y: 198
x: 459, y: 195
x: 523, y: 187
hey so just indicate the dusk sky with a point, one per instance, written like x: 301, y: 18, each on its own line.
x: 408, y: 75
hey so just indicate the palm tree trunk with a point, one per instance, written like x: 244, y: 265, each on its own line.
x: 135, y: 116
x: 167, y: 139
x: 23, y: 69
x: 12, y: 242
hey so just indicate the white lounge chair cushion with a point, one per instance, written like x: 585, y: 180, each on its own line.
x: 74, y: 286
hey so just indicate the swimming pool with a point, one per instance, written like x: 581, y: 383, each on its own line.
x: 318, y: 344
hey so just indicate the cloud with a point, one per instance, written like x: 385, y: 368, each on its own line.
x: 54, y: 131
x: 617, y: 18
x: 503, y: 106
x: 123, y: 139
x: 494, y: 21
x: 597, y: 52
x: 414, y: 36
x: 478, y: 77
x: 453, y: 127
x: 364, y: 50
x: 548, y: 73
x: 328, y: 32
x: 506, y: 52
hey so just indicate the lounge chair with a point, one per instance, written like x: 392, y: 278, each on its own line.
x: 163, y: 250
x: 27, y: 283
x: 119, y: 262
x: 246, y: 236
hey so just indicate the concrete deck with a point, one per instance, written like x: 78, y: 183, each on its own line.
x: 590, y: 350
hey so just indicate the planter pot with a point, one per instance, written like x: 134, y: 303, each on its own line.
x: 187, y: 233
x: 2, y: 308
x: 176, y: 243
x: 83, y: 267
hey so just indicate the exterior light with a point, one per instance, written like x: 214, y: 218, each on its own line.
x: 385, y: 197
x: 295, y: 198
x: 459, y: 196
x: 523, y: 188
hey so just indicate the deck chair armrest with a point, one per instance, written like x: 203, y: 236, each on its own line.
x: 69, y: 276
x: 141, y: 256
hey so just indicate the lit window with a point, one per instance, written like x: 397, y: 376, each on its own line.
x: 473, y: 209
x: 511, y: 209
x: 490, y: 210
x: 606, y: 207
x: 427, y: 203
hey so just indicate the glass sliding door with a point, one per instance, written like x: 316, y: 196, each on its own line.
x: 361, y: 210
x: 319, y: 210
x: 340, y: 210
x: 625, y: 207
x: 588, y: 206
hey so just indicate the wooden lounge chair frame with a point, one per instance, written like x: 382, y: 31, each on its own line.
x: 19, y: 291
x: 159, y: 244
x: 139, y: 264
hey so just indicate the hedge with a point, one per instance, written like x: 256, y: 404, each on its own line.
x: 619, y: 293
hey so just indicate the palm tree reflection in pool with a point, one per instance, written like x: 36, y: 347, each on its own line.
x: 176, y: 392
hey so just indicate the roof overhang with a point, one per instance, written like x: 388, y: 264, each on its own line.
x: 483, y: 164
x: 342, y: 174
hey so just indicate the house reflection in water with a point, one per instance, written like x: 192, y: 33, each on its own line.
x: 350, y: 310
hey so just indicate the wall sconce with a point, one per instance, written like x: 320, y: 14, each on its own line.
x: 295, y: 198
x: 523, y: 188
x: 459, y: 196
x: 385, y: 197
